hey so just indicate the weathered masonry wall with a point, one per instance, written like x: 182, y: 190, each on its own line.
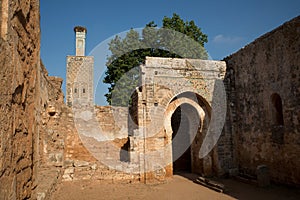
x: 97, y: 158
x: 52, y: 128
x: 19, y: 97
x: 265, y: 80
x: 4, y: 18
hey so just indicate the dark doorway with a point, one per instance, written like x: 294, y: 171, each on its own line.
x: 181, y: 150
x: 124, y: 152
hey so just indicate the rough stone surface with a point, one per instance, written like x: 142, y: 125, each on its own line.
x: 84, y: 154
x: 19, y: 102
x: 265, y: 95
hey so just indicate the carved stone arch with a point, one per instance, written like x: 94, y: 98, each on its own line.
x: 173, y: 106
x: 203, y: 166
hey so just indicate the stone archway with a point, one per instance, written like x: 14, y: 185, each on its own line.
x: 183, y: 128
x: 192, y: 125
x: 167, y: 83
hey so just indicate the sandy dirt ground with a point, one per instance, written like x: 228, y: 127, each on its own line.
x: 180, y: 187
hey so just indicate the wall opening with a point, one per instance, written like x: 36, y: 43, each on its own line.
x: 277, y: 113
x: 186, y: 124
x: 124, y: 152
x: 277, y: 127
x: 180, y: 126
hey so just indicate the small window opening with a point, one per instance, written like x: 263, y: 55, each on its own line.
x: 75, y: 90
x: 277, y: 112
x: 83, y: 90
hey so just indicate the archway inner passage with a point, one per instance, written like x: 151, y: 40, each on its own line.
x: 185, y: 123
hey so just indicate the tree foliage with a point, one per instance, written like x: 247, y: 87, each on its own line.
x: 175, y: 39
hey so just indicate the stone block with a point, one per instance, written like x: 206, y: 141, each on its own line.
x: 67, y: 177
x: 81, y: 163
x: 69, y: 170
x: 263, y: 176
x: 94, y: 167
x: 41, y: 196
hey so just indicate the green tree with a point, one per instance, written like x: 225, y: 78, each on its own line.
x: 175, y: 39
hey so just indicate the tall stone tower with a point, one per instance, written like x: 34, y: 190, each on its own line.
x: 80, y: 74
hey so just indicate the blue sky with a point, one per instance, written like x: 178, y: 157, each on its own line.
x: 230, y: 25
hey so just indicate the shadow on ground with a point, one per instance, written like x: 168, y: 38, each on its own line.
x: 250, y: 191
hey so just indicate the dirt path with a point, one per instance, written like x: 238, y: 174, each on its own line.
x: 177, y: 188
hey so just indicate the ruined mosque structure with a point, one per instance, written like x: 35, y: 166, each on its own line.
x: 44, y: 140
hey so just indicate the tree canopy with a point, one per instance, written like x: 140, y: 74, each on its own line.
x: 175, y: 39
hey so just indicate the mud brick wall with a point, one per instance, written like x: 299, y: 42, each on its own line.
x: 19, y: 91
x: 265, y: 78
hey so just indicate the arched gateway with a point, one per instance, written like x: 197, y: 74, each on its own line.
x: 173, y: 110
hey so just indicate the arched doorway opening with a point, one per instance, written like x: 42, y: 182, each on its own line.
x: 185, y: 123
x: 277, y: 112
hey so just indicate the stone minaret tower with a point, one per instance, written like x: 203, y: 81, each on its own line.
x: 80, y: 74
x: 80, y: 40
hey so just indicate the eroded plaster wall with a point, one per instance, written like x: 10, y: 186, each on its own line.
x: 97, y: 148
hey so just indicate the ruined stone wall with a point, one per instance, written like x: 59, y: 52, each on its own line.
x: 265, y: 80
x: 51, y: 136
x: 227, y: 141
x: 93, y: 147
x: 51, y: 133
x: 31, y: 132
x: 113, y: 121
x: 19, y: 102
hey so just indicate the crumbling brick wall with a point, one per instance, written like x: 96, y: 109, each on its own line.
x: 99, y: 158
x: 31, y: 103
x: 19, y: 106
x: 265, y: 81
